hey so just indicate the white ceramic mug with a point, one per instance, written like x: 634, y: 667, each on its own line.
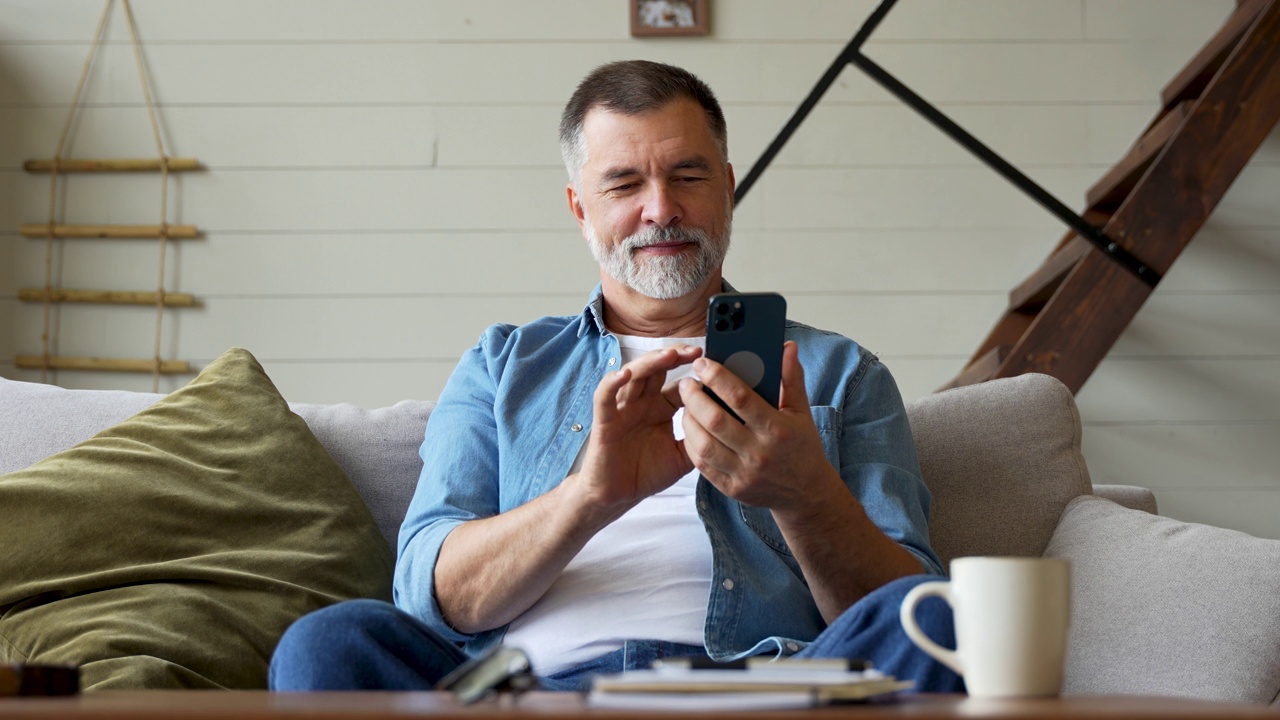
x: 1011, y: 619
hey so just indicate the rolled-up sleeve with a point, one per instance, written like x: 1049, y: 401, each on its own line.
x: 879, y: 461
x: 459, y: 481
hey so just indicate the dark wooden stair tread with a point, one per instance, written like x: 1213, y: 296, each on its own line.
x: 982, y: 368
x: 1191, y: 81
x: 1035, y: 291
x: 1120, y: 180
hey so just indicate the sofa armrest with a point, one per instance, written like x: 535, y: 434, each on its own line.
x: 1130, y: 496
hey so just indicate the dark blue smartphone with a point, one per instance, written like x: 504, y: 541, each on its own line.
x: 745, y: 334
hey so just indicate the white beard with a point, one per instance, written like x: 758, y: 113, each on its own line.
x: 662, y: 277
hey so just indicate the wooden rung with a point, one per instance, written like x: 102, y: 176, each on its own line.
x: 980, y: 370
x: 106, y: 297
x: 113, y: 232
x: 111, y: 165
x: 1190, y: 83
x: 1120, y: 180
x: 1035, y: 291
x: 57, y: 362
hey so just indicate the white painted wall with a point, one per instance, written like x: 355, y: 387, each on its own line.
x: 383, y: 182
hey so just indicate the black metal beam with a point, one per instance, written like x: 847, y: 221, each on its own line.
x: 852, y: 54
x: 1006, y: 170
x: 793, y: 123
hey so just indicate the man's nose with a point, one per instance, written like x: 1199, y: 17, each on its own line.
x: 661, y: 207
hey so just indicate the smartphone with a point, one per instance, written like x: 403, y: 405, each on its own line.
x: 745, y: 334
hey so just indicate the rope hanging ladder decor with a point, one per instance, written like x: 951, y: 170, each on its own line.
x: 52, y: 230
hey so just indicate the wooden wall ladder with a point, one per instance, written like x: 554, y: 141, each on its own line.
x: 52, y: 231
x: 1215, y: 113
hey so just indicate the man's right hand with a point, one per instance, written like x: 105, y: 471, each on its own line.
x: 491, y: 570
x: 632, y: 452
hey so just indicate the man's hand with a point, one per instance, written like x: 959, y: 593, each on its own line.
x: 632, y: 452
x: 776, y: 461
x: 493, y: 569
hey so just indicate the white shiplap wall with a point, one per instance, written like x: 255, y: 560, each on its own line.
x: 383, y: 181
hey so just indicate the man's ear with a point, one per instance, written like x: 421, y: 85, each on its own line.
x: 733, y: 183
x: 575, y: 206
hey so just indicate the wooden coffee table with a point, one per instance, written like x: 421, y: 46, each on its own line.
x: 106, y: 705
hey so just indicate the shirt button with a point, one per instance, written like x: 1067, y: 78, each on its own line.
x: 613, y: 361
x: 728, y: 583
x: 576, y: 427
x: 792, y: 647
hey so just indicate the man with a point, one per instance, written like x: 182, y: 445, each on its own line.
x: 582, y: 498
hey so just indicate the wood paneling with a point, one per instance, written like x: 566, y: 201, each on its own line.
x: 546, y: 73
x: 562, y: 20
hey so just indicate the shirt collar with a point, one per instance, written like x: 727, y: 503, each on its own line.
x: 593, y: 313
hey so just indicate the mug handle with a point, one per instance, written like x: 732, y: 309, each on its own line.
x: 908, y: 617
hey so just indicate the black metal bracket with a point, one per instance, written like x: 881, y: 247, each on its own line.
x: 852, y: 55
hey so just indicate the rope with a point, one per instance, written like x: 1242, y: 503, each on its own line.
x: 164, y: 188
x: 53, y: 193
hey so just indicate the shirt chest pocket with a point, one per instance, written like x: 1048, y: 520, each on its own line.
x: 760, y: 520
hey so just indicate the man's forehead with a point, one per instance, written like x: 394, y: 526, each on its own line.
x: 679, y: 128
x: 677, y: 110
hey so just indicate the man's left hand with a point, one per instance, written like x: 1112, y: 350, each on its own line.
x: 775, y: 460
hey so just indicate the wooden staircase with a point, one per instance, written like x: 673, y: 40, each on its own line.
x: 1215, y: 113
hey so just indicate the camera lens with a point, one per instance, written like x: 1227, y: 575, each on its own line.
x: 722, y: 325
x: 722, y: 308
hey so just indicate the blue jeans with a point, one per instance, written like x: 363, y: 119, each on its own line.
x: 372, y: 645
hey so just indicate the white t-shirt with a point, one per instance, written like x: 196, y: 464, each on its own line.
x: 645, y: 576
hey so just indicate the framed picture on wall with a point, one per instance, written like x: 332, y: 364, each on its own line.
x: 657, y: 18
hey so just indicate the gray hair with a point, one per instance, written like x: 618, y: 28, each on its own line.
x: 633, y: 87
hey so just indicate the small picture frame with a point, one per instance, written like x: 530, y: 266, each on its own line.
x: 669, y: 18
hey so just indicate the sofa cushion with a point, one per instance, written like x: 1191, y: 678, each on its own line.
x: 1002, y: 460
x: 173, y: 549
x: 378, y: 448
x: 1163, y: 607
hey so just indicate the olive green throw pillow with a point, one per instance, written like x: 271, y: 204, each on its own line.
x: 174, y: 549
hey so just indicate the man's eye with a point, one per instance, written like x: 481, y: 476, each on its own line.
x: 622, y: 188
x: 690, y: 179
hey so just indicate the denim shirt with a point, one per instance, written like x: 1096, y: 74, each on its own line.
x: 518, y: 408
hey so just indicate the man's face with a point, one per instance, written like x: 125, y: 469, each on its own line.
x: 655, y: 198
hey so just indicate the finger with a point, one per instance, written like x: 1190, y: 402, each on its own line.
x: 713, y: 419
x: 753, y: 409
x: 671, y: 393
x: 793, y: 395
x: 605, y: 399
x: 649, y: 371
x: 711, y: 457
x: 660, y: 362
x: 653, y: 384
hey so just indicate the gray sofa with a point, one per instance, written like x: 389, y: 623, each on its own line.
x: 1160, y: 607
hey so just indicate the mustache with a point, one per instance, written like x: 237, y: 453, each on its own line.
x: 663, y: 235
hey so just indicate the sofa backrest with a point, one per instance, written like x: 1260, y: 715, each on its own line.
x: 1002, y: 460
x: 378, y: 449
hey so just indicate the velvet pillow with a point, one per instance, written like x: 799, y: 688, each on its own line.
x: 173, y: 549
